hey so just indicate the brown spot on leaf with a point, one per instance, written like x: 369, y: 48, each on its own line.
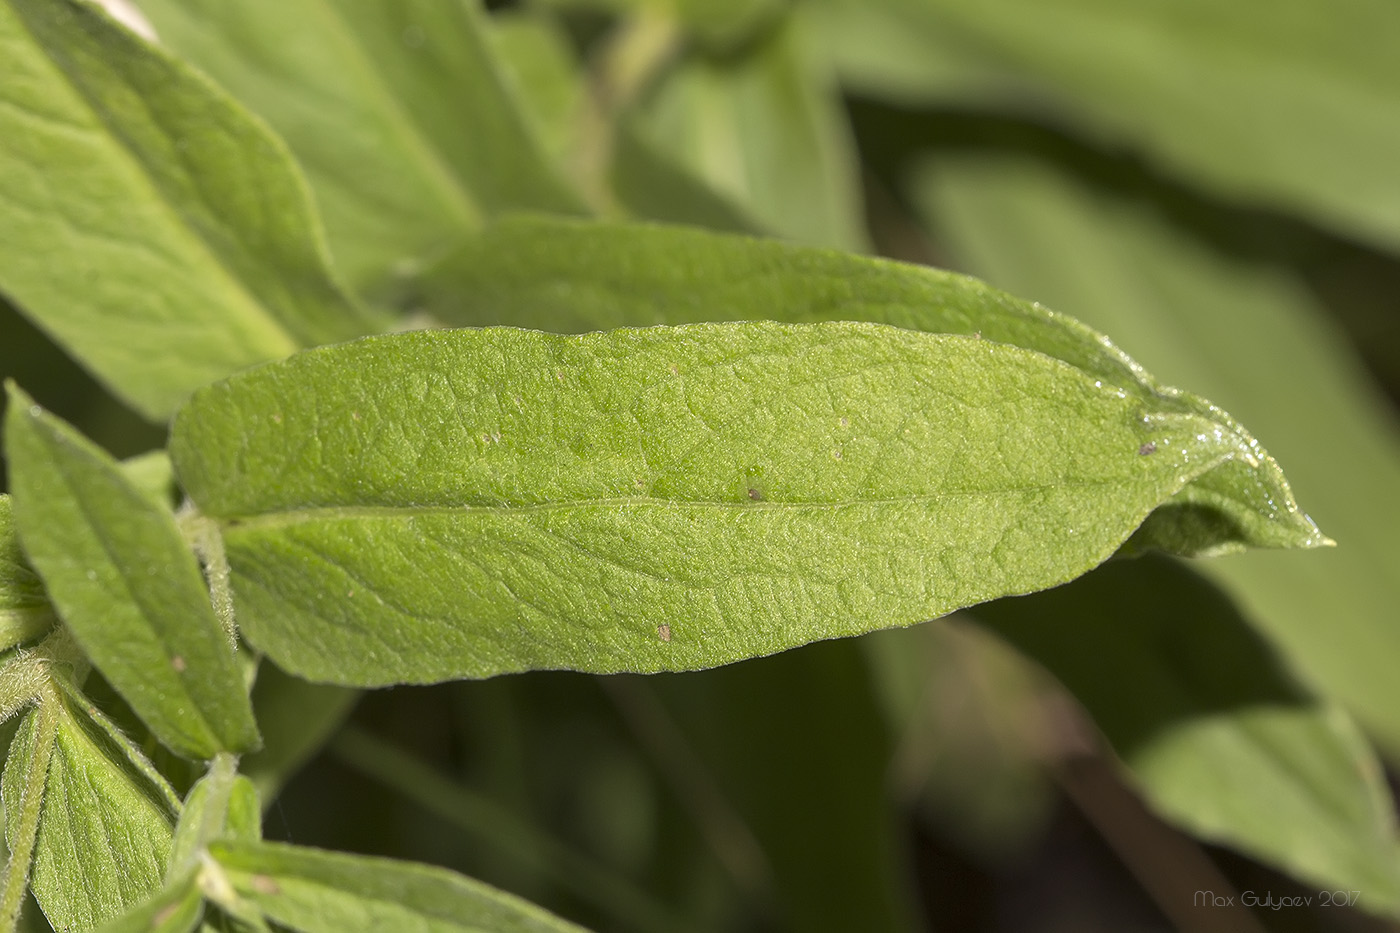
x: 1149, y: 448
x: 265, y: 885
x: 664, y: 631
x: 755, y: 495
x: 178, y: 663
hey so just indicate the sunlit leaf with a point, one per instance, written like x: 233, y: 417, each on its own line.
x: 147, y: 222
x: 400, y: 113
x: 479, y: 501
x: 105, y: 828
x: 126, y: 584
x: 328, y: 892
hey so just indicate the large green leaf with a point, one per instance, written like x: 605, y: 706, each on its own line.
x: 126, y: 584
x: 570, y: 276
x: 25, y: 612
x: 1286, y: 102
x: 400, y: 113
x: 105, y: 827
x: 328, y: 892
x: 1219, y: 735
x: 464, y: 503
x: 147, y: 222
x: 1252, y: 339
x: 765, y: 129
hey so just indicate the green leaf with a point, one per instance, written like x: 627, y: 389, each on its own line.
x: 571, y: 276
x: 1219, y: 735
x: 327, y: 892
x: 296, y: 718
x: 220, y: 803
x: 177, y: 908
x: 401, y: 114
x: 1251, y: 337
x: 766, y: 130
x: 105, y: 829
x: 25, y: 613
x: 1289, y: 104
x: 146, y: 216
x: 536, y: 58
x: 476, y: 502
x: 126, y: 585
x: 652, y: 184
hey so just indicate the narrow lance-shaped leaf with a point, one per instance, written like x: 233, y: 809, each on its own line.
x: 401, y: 113
x: 25, y: 612
x: 1219, y: 735
x: 328, y: 892
x: 105, y: 828
x: 126, y: 584
x: 572, y: 276
x: 448, y: 504
x: 152, y: 226
x: 177, y: 908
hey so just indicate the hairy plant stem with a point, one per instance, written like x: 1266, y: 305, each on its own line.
x: 204, y: 536
x: 31, y: 803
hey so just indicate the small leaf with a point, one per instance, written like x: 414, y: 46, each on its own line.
x: 477, y: 502
x: 146, y: 216
x: 1218, y: 734
x: 105, y: 829
x: 652, y: 184
x: 767, y: 131
x: 535, y: 55
x: 327, y: 892
x: 126, y: 584
x: 400, y: 112
x: 218, y: 805
x: 25, y: 613
x: 176, y: 908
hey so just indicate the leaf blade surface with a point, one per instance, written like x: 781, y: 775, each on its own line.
x: 475, y: 502
x: 126, y: 585
x: 148, y: 215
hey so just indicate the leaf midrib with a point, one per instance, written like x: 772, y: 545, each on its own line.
x: 306, y: 515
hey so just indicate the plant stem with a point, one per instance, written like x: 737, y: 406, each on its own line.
x: 31, y: 803
x: 203, y: 535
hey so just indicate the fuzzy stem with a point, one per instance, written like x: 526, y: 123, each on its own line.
x: 31, y: 803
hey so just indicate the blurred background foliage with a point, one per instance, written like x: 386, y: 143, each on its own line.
x: 1213, y: 184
